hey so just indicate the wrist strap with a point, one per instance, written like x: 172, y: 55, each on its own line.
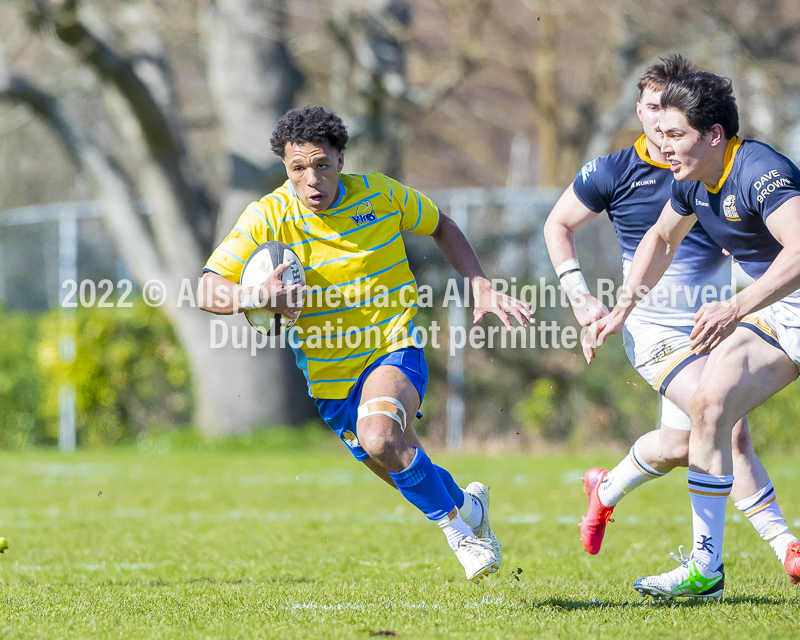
x: 568, y: 266
x: 250, y: 297
x: 572, y: 281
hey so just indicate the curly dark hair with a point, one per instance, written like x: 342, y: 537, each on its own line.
x: 308, y: 124
x: 704, y: 99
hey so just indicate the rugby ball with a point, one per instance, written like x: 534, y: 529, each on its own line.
x: 261, y: 263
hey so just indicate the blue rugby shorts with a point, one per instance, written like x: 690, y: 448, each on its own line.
x: 341, y: 414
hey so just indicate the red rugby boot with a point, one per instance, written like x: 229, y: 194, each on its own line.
x: 792, y: 562
x: 593, y: 524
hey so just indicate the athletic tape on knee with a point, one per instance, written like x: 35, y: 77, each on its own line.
x: 385, y: 406
x: 673, y: 416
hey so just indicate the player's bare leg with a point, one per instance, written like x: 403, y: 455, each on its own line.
x: 665, y: 448
x: 411, y: 439
x: 652, y: 456
x: 748, y: 471
x: 742, y: 373
x: 658, y: 452
x: 472, y: 502
x: 381, y: 432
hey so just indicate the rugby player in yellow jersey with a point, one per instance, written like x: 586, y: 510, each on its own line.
x: 358, y: 350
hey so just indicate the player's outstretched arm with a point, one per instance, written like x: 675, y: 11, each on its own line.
x: 568, y: 215
x: 717, y: 320
x: 216, y: 294
x: 652, y: 258
x: 459, y: 253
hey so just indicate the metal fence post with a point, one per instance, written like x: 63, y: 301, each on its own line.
x: 67, y: 270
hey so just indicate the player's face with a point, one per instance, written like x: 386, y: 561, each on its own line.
x: 314, y: 172
x: 688, y: 152
x: 648, y: 109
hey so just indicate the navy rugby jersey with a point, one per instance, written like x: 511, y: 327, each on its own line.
x: 756, y: 181
x: 633, y: 189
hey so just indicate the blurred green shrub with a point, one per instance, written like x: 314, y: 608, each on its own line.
x: 129, y: 373
x: 609, y: 401
x: 776, y: 423
x: 21, y: 419
x: 585, y: 405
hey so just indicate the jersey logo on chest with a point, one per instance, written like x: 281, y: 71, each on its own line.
x: 729, y: 209
x: 364, y: 213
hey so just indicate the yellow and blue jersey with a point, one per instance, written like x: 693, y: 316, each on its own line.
x: 361, y: 289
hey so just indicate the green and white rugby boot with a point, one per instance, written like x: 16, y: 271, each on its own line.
x: 690, y: 580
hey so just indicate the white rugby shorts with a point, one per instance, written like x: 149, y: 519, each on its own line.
x: 659, y: 353
x: 779, y: 325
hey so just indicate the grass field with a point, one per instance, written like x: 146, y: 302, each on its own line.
x: 288, y: 537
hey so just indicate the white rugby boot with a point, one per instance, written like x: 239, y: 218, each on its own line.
x: 477, y: 558
x: 690, y: 580
x: 484, y: 529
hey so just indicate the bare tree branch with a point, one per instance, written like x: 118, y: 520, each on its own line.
x: 171, y: 195
x: 120, y: 208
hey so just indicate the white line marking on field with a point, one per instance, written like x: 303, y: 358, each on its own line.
x: 344, y: 606
x: 572, y: 477
x: 134, y: 567
x: 526, y: 518
x: 21, y: 567
x: 70, y: 470
x: 29, y: 519
x: 131, y: 566
x: 568, y: 519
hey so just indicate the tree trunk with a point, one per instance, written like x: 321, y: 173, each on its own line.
x: 253, y: 82
x: 233, y: 390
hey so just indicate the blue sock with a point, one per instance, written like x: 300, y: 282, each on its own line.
x: 421, y: 486
x: 452, y: 488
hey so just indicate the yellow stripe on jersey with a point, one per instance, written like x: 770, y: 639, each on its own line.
x: 641, y: 150
x: 354, y: 248
x: 730, y: 155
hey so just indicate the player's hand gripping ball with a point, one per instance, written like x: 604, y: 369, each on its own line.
x: 261, y: 263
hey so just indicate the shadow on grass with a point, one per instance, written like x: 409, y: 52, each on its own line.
x: 563, y: 604
x: 754, y: 600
